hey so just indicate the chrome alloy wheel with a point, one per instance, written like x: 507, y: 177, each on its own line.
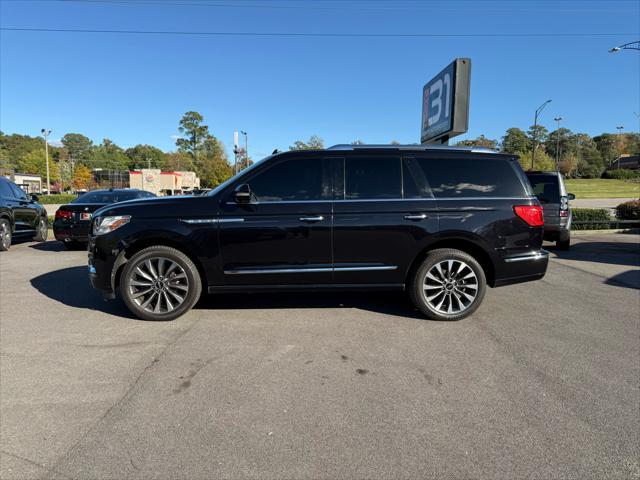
x: 5, y: 235
x: 450, y: 286
x: 158, y: 285
x: 44, y: 228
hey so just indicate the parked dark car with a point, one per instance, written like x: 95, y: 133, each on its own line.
x: 71, y: 224
x: 551, y: 192
x: 441, y: 223
x: 21, y: 216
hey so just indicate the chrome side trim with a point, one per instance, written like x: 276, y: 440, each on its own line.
x: 195, y: 221
x: 528, y: 258
x: 309, y: 270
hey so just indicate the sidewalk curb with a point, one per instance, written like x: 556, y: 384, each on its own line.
x: 577, y: 233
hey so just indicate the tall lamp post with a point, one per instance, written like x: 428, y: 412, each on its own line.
x: 619, y: 128
x: 45, y: 134
x: 246, y: 146
x: 558, y: 120
x: 535, y: 132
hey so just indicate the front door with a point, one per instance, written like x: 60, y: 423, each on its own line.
x: 283, y: 236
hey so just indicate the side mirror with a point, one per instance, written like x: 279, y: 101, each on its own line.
x: 243, y: 193
x: 571, y: 196
x: 34, y: 198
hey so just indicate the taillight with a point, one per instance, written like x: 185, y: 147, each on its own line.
x: 64, y: 214
x: 564, y: 213
x: 531, y: 214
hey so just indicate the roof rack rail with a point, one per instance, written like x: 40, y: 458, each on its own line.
x: 345, y: 146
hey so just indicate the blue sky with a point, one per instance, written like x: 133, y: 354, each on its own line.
x: 134, y: 88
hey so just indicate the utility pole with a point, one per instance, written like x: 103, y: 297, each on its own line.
x: 246, y: 146
x: 619, y: 128
x: 46, y: 133
x: 235, y: 152
x: 558, y: 119
x: 535, y: 132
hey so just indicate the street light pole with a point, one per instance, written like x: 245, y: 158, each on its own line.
x: 619, y: 128
x: 558, y: 119
x: 535, y: 132
x: 246, y: 146
x: 46, y: 133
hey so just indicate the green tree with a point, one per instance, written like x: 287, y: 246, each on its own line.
x: 480, y: 141
x: 542, y: 162
x: 515, y: 140
x: 178, y: 161
x: 314, y: 143
x: 194, y: 134
x: 141, y: 156
x: 34, y: 163
x: 541, y: 134
x: 108, y: 156
x: 78, y: 146
x: 566, y: 144
x: 214, y: 167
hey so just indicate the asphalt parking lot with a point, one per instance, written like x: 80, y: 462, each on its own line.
x: 542, y: 382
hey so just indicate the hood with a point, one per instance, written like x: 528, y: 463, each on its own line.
x: 162, y: 207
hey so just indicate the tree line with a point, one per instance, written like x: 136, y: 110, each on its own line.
x: 197, y: 149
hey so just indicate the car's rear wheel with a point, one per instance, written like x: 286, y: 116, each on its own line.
x: 448, y: 285
x: 73, y: 245
x: 43, y: 230
x: 160, y: 283
x: 5, y: 235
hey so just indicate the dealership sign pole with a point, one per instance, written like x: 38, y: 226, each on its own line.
x: 445, y: 103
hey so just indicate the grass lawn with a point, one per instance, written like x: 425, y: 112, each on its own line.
x: 603, y: 188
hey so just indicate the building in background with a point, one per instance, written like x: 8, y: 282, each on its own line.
x: 163, y: 183
x: 628, y: 162
x: 26, y: 181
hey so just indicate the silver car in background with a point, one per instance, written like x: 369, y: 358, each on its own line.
x: 552, y: 193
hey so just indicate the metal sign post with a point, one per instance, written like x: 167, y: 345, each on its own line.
x: 445, y: 103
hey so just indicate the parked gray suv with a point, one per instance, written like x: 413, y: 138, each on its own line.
x: 551, y: 192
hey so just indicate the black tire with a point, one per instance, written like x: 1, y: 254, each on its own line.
x: 453, y: 292
x: 43, y: 230
x: 564, y: 244
x: 162, y: 289
x: 5, y: 235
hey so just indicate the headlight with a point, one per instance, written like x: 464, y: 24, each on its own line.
x: 104, y: 225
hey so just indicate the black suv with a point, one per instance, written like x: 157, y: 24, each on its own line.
x: 21, y: 216
x: 440, y: 222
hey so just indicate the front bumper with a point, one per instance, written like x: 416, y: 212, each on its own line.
x: 525, y: 267
x: 102, y: 265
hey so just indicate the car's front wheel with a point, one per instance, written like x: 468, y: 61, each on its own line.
x: 448, y: 285
x: 160, y: 283
x: 5, y: 235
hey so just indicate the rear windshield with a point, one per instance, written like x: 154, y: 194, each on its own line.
x: 109, y: 197
x: 462, y: 178
x: 545, y: 187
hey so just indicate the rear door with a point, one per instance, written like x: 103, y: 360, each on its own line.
x: 284, y: 236
x: 24, y: 210
x: 378, y: 227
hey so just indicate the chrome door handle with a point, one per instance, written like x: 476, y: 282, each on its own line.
x: 312, y: 219
x: 419, y: 216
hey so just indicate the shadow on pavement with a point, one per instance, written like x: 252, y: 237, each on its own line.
x: 388, y: 303
x: 618, y: 253
x: 71, y: 286
x: 628, y: 279
x: 55, y: 246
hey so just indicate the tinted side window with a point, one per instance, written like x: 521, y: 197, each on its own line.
x: 372, y: 178
x: 414, y: 179
x: 546, y: 188
x: 17, y: 191
x: 5, y: 190
x: 297, y: 179
x: 472, y: 177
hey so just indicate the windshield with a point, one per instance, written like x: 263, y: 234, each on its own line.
x: 107, y: 197
x: 545, y: 187
x: 223, y: 185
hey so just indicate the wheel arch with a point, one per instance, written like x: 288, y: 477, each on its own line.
x: 133, y: 248
x: 463, y: 244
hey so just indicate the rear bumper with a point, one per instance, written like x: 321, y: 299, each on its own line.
x: 70, y: 231
x: 522, y: 268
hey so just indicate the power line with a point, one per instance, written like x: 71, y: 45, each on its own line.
x: 318, y: 34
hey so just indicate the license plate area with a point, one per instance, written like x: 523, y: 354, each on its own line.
x: 85, y: 216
